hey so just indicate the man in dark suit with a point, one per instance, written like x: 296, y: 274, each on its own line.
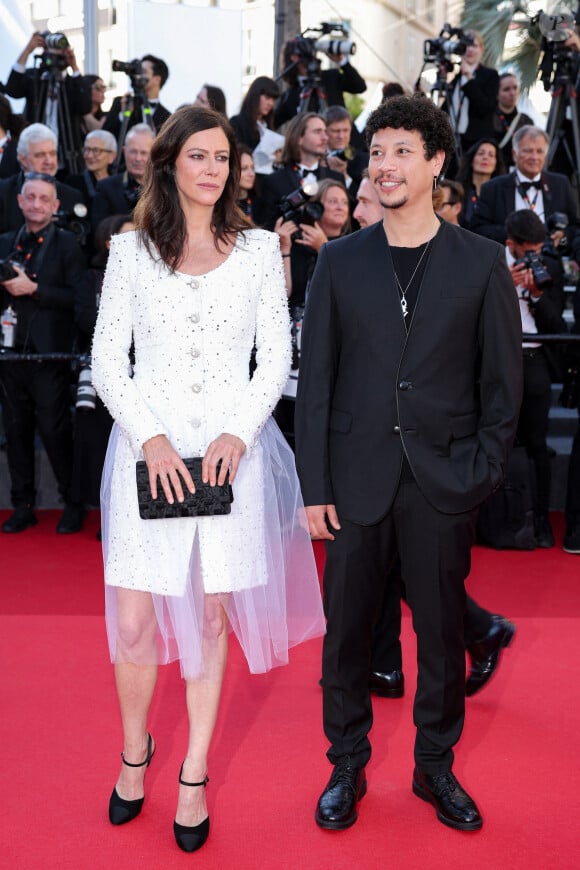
x: 527, y: 186
x: 303, y: 161
x: 49, y: 272
x: 151, y: 111
x: 119, y: 193
x: 334, y: 83
x: 407, y: 406
x: 53, y: 95
x: 37, y: 152
x: 341, y: 156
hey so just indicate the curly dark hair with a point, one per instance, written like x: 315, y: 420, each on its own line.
x: 158, y: 215
x: 415, y: 113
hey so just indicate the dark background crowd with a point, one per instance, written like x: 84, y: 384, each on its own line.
x: 71, y: 174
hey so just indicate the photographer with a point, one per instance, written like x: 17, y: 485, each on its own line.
x: 119, y: 193
x: 144, y: 104
x: 302, y: 158
x: 528, y: 185
x: 473, y: 95
x: 37, y: 152
x: 43, y: 269
x: 538, y: 279
x: 299, y: 58
x: 53, y: 96
x: 508, y: 119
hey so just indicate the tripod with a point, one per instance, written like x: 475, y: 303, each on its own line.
x: 564, y: 97
x: 53, y: 80
x: 312, y: 85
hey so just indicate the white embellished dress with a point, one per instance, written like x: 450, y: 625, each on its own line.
x: 192, y: 339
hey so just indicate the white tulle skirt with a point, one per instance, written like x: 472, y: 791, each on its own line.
x: 281, y: 610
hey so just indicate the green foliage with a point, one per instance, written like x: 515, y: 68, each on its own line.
x: 354, y: 104
x: 493, y: 19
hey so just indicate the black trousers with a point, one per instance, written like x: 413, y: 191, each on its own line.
x: 36, y: 394
x: 386, y: 653
x: 435, y: 554
x: 533, y: 423
x: 573, y: 485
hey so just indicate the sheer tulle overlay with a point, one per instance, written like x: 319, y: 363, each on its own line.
x: 281, y: 610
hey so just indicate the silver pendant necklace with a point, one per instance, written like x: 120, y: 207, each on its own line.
x: 404, y: 307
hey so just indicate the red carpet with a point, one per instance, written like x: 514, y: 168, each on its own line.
x: 61, y: 738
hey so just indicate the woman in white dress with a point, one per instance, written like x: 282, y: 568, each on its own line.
x: 193, y: 289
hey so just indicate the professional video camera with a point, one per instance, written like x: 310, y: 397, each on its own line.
x: 74, y: 221
x: 53, y: 57
x: 331, y: 41
x: 296, y: 207
x: 532, y: 260
x: 556, y: 57
x: 451, y: 40
x: 557, y: 221
x: 134, y: 69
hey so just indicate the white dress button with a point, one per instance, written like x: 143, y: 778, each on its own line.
x: 196, y: 388
x: 196, y: 423
x: 194, y: 318
x: 194, y: 352
x: 193, y: 283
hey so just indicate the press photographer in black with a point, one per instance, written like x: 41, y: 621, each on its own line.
x: 539, y: 281
x: 307, y: 82
x: 41, y: 271
x: 53, y: 95
x: 148, y: 77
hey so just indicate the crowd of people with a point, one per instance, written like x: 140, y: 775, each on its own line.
x: 221, y: 260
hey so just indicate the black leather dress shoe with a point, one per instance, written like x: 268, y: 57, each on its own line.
x: 452, y: 804
x: 71, y: 520
x: 22, y: 518
x: 336, y: 809
x: 485, y: 653
x: 391, y: 685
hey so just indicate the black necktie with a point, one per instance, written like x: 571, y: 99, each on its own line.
x: 526, y: 186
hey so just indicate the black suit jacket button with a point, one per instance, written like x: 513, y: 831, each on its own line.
x: 396, y: 429
x: 405, y: 385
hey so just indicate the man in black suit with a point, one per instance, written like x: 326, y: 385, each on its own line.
x: 407, y: 406
x: 303, y: 161
x: 53, y: 97
x: 119, y: 193
x: 334, y: 83
x: 155, y: 72
x: 526, y: 186
x: 49, y: 272
x: 341, y: 155
x: 37, y: 152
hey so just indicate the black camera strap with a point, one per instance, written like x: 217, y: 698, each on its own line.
x: 31, y: 249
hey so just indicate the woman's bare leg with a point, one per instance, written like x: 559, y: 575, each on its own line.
x: 135, y: 683
x: 202, y: 707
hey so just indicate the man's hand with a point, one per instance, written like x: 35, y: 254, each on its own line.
x: 35, y: 41
x: 337, y: 165
x: 70, y: 57
x: 524, y: 277
x: 21, y: 285
x: 319, y: 517
x: 313, y: 237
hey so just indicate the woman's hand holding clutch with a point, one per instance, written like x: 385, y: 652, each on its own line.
x: 164, y: 462
x: 228, y: 448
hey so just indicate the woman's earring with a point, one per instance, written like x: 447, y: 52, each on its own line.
x: 435, y: 180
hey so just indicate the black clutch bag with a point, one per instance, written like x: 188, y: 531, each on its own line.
x: 206, y: 501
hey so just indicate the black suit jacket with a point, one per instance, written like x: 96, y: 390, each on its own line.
x: 449, y: 392
x: 10, y: 215
x: 9, y: 164
x: 334, y: 82
x: 481, y: 91
x: 114, y: 195
x: 113, y: 124
x: 45, y: 320
x: 278, y: 185
x: 497, y: 200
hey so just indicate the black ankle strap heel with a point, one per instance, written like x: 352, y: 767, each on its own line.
x: 122, y: 811
x: 190, y: 839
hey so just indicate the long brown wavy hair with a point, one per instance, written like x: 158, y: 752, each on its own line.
x: 158, y: 215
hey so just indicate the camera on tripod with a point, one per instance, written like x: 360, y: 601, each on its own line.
x: 53, y: 56
x: 134, y: 69
x: 556, y: 57
x: 532, y: 260
x: 451, y: 41
x: 296, y: 207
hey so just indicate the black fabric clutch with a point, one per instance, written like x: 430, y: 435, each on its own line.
x: 206, y: 501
